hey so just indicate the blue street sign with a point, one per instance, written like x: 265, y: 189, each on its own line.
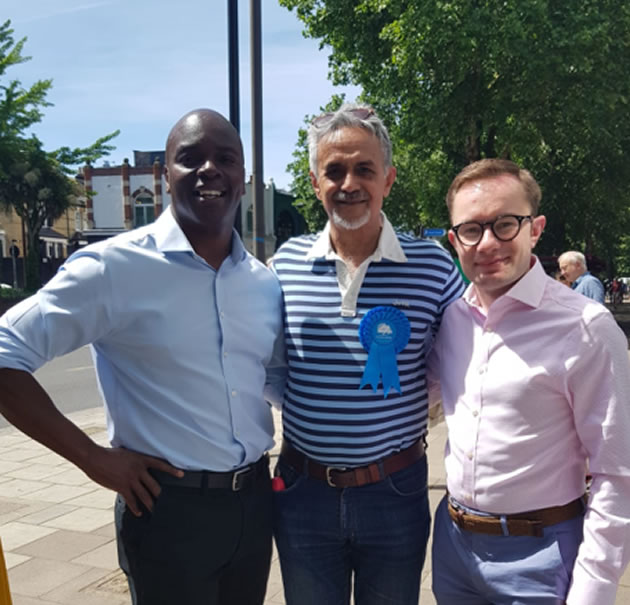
x: 433, y: 232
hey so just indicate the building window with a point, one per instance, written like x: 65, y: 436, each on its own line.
x: 144, y: 208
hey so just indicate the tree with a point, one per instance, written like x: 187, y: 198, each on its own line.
x: 546, y: 84
x: 305, y: 199
x: 19, y: 108
x: 38, y: 190
x: 32, y: 181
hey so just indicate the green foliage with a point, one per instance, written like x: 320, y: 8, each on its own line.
x: 67, y: 157
x: 13, y: 293
x: 36, y: 187
x: 32, y: 181
x: 305, y: 199
x: 622, y: 261
x: 19, y: 108
x: 542, y: 83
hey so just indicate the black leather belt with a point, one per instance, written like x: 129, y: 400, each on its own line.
x: 241, y: 478
x: 352, y: 477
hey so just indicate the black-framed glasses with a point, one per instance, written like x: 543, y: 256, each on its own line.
x: 504, y: 227
x: 363, y: 113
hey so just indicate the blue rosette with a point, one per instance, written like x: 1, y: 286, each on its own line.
x: 384, y: 332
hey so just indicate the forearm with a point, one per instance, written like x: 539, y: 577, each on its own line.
x: 25, y: 404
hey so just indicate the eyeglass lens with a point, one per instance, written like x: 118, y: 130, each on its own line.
x: 505, y: 228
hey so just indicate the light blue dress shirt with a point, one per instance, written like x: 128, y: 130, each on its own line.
x: 588, y: 285
x: 181, y: 350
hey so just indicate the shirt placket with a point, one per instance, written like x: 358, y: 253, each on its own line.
x: 474, y: 409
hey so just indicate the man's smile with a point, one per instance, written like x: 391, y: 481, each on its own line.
x: 209, y: 194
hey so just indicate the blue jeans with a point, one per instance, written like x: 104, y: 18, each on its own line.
x: 378, y: 532
x: 478, y: 569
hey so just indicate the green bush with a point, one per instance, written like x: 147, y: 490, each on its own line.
x: 12, y: 293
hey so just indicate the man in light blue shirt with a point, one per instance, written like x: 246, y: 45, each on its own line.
x: 183, y: 322
x: 573, y: 267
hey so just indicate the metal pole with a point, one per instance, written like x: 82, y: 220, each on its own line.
x: 257, y: 148
x: 234, y: 90
x: 14, y: 263
x: 233, y: 71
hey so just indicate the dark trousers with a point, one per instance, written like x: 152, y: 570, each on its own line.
x: 198, y: 548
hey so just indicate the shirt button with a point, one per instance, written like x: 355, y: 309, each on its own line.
x: 475, y: 413
x: 489, y: 328
x: 221, y: 314
x: 234, y: 392
x: 482, y: 370
x: 224, y: 354
x: 469, y: 456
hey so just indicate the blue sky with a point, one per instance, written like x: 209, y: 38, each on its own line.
x: 137, y: 66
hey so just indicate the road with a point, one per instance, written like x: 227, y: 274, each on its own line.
x: 71, y: 382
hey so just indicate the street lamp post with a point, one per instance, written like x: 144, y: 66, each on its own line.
x: 257, y: 146
x: 14, y: 252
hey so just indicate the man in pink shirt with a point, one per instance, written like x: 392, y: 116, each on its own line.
x: 535, y: 383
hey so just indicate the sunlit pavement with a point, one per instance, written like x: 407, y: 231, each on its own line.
x: 57, y: 526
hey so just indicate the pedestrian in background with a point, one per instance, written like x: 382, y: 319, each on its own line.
x: 573, y: 266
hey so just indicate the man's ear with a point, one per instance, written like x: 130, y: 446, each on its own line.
x: 538, y: 226
x: 452, y: 238
x: 315, y: 184
x: 390, y: 177
x: 168, y: 185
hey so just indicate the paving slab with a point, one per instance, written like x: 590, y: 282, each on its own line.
x: 64, y: 553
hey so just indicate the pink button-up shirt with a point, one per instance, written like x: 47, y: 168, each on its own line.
x: 530, y: 392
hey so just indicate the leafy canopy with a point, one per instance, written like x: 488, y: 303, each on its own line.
x: 34, y: 182
x: 546, y: 84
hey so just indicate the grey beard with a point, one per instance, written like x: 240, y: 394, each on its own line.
x: 363, y: 220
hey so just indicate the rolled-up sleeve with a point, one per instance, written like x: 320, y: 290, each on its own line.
x: 69, y: 312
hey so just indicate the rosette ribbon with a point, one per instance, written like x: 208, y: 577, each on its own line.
x: 384, y: 332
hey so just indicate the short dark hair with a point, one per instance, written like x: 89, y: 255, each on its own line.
x: 492, y: 167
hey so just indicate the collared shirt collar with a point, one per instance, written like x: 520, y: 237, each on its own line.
x: 388, y: 245
x: 169, y: 237
x: 528, y: 290
x: 575, y: 284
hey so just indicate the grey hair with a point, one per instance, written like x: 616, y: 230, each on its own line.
x: 573, y: 257
x: 344, y: 118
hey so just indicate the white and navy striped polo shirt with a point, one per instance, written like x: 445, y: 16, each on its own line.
x: 325, y: 415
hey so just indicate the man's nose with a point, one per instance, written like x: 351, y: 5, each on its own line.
x: 488, y: 239
x: 207, y: 167
x: 350, y: 182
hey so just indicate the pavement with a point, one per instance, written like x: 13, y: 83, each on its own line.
x: 57, y: 529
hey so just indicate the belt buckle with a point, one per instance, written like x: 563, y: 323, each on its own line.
x: 235, y: 478
x: 330, y: 469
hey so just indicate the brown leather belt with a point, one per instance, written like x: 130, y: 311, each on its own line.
x: 352, y: 477
x: 522, y: 524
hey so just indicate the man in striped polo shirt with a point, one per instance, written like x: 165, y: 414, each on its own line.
x: 351, y: 487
